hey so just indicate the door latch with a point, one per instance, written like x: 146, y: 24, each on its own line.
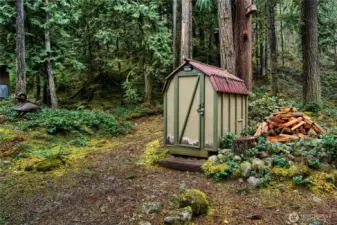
x: 201, y: 109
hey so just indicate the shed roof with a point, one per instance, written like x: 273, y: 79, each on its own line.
x: 221, y: 79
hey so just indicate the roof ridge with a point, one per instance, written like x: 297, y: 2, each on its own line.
x: 208, y: 65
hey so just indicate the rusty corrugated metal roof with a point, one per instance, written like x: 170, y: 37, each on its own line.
x: 221, y: 79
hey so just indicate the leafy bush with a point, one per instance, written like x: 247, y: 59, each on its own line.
x: 300, y: 180
x: 6, y: 109
x: 62, y: 120
x: 226, y: 140
x: 261, y: 105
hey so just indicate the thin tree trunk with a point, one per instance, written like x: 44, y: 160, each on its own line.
x: 312, y: 83
x: 51, y: 84
x: 38, y: 87
x: 243, y: 34
x: 281, y: 34
x: 227, y: 53
x: 186, y: 22
x: 272, y: 47
x: 20, y: 49
x: 174, y: 33
x: 148, y: 86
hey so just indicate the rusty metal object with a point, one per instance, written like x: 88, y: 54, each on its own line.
x: 25, y: 106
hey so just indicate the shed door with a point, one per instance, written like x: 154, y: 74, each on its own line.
x: 190, y: 110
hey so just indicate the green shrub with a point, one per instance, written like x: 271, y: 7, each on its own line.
x: 62, y: 120
x: 226, y: 140
x: 261, y: 105
x: 300, y: 180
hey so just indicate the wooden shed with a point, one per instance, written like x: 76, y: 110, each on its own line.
x: 4, y: 82
x: 201, y: 103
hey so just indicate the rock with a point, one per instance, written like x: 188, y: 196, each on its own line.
x: 5, y: 162
x: 220, y: 157
x: 316, y: 199
x: 246, y: 168
x: 29, y: 168
x: 196, y: 199
x: 254, y: 181
x: 257, y: 164
x: 226, y: 150
x: 254, y: 217
x: 151, y: 207
x: 144, y: 223
x: 315, y: 222
x: 325, y: 167
x: 268, y: 162
x: 262, y: 154
x: 181, y: 216
x: 49, y: 164
x: 237, y: 158
x: 213, y: 158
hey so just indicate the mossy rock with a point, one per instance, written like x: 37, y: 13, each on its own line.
x: 196, y: 199
x: 49, y: 164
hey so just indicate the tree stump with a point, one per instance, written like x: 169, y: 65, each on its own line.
x: 243, y: 143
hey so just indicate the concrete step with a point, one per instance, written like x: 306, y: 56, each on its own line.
x: 182, y: 164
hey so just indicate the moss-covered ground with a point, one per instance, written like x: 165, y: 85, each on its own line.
x: 106, y: 183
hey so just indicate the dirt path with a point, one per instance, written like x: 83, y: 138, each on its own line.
x: 108, y: 187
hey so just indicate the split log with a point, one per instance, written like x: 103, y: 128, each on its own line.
x: 297, y: 126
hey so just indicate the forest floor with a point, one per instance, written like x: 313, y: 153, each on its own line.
x: 108, y: 186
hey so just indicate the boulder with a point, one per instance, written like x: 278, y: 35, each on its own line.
x: 151, y: 207
x: 257, y: 164
x: 268, y: 161
x: 254, y: 181
x: 226, y: 150
x: 237, y: 158
x: 49, y: 164
x: 181, y: 216
x: 196, y: 199
x: 246, y: 168
x: 262, y: 154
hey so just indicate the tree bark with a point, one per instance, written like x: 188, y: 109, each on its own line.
x: 309, y: 36
x: 20, y: 49
x: 186, y: 22
x: 148, y: 86
x: 272, y: 46
x: 281, y: 35
x: 227, y: 54
x: 174, y: 33
x: 243, y: 48
x: 51, y: 83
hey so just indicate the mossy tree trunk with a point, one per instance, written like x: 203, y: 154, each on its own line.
x: 186, y: 22
x: 272, y: 47
x: 312, y: 83
x: 243, y: 47
x: 51, y: 83
x: 20, y: 48
x: 227, y: 53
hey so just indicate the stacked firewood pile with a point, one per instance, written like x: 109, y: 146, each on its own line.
x: 288, y: 124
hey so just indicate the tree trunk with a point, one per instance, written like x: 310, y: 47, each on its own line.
x: 243, y: 37
x: 281, y: 34
x: 148, y: 86
x: 51, y: 84
x: 174, y: 33
x: 312, y: 83
x: 272, y: 47
x: 20, y: 49
x: 186, y: 22
x: 227, y: 54
x: 38, y: 87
